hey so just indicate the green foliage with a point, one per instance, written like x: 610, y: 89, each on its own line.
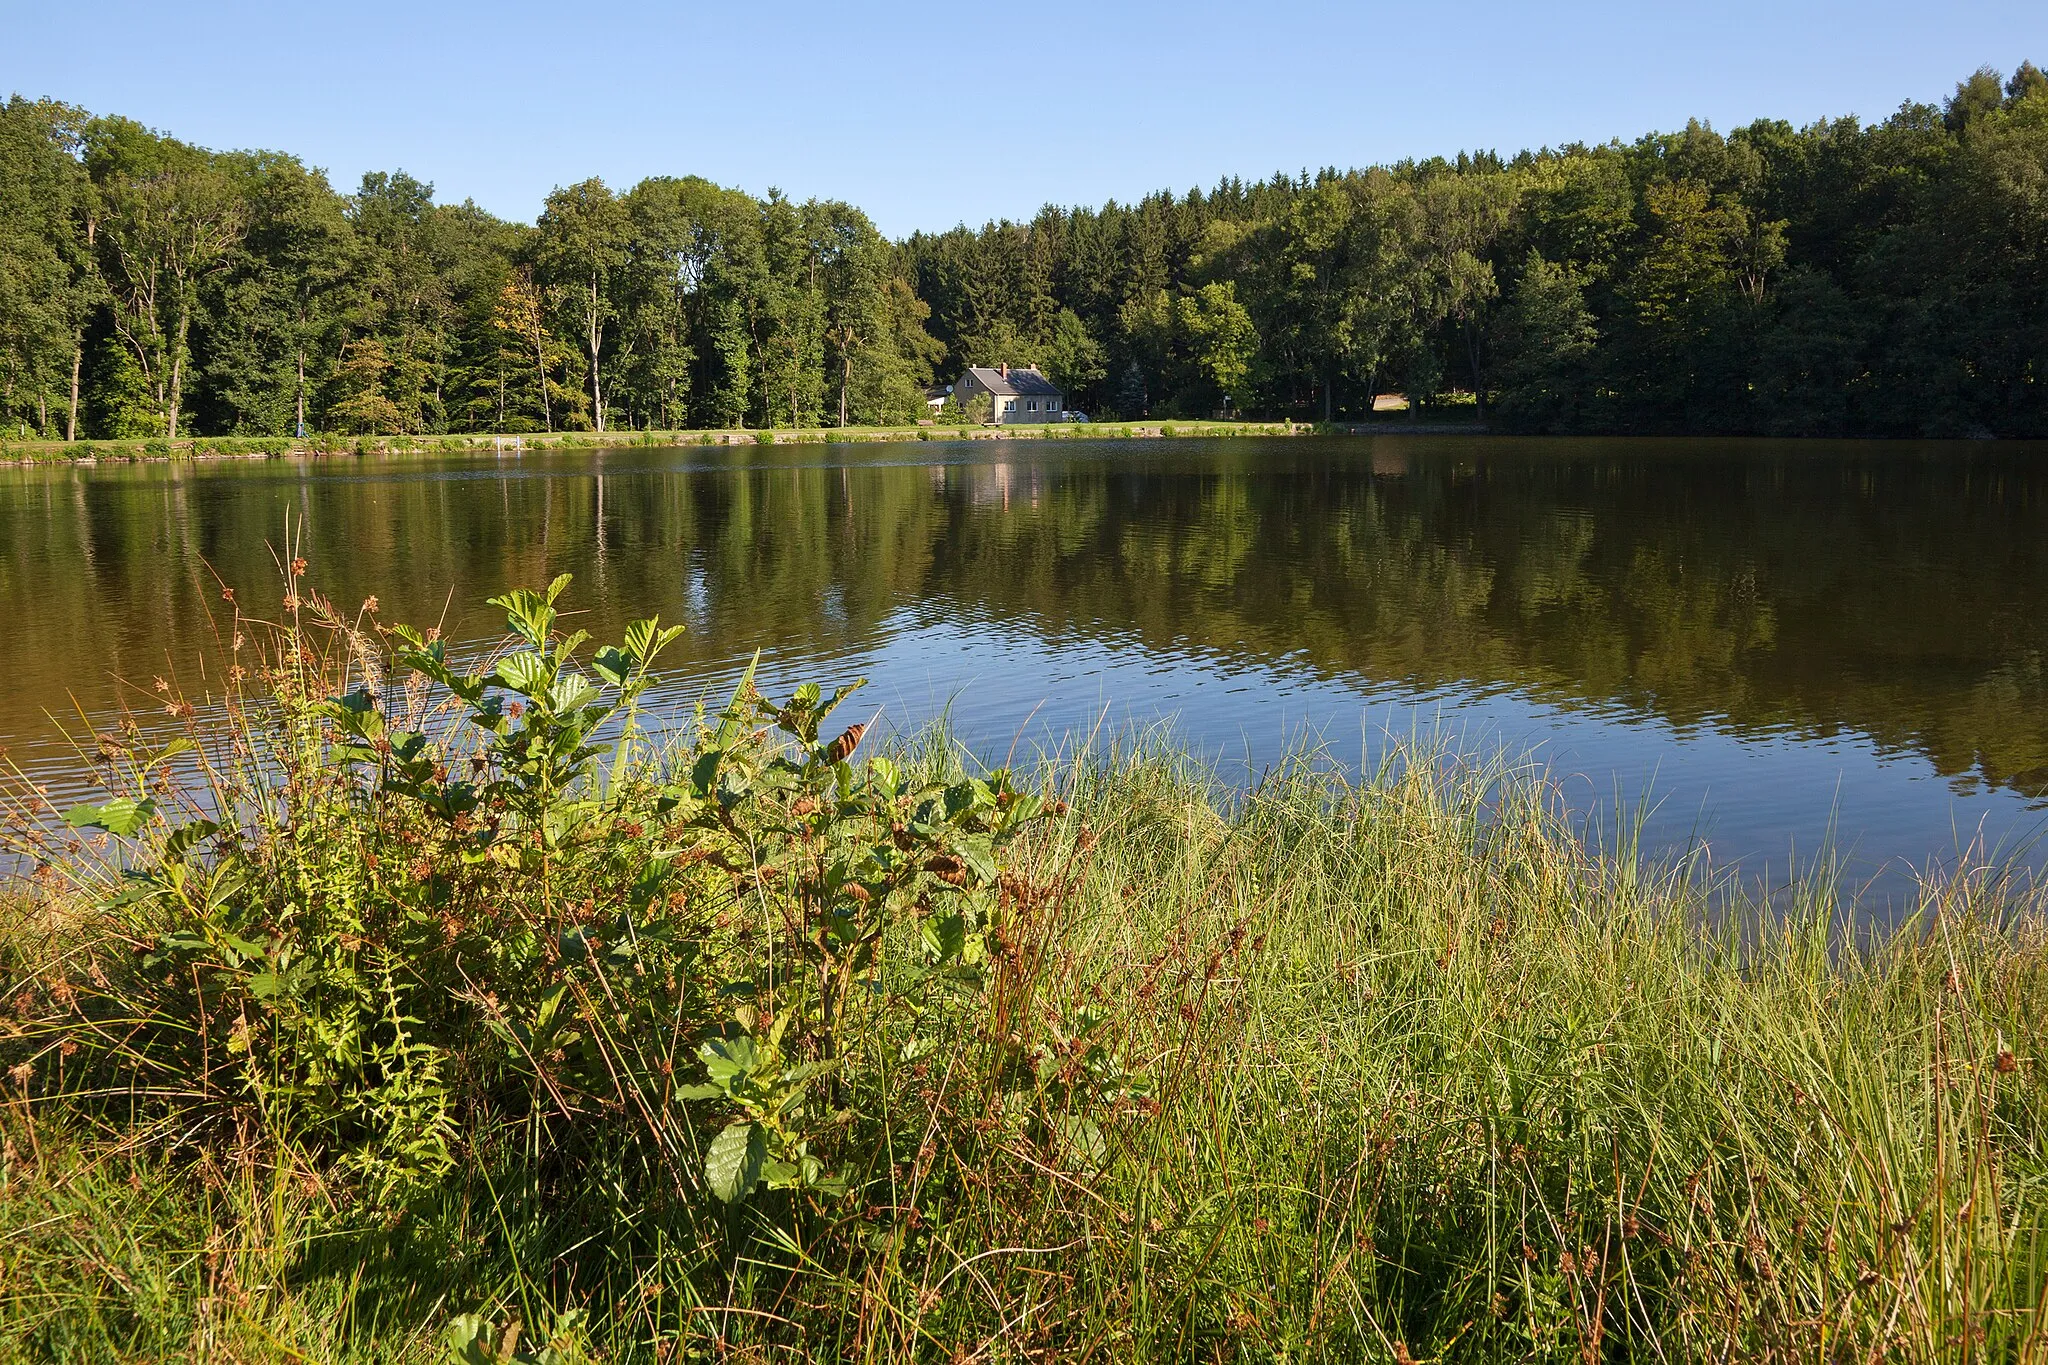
x: 1330, y: 1071
x: 1841, y: 278
x: 466, y: 895
x: 1549, y: 336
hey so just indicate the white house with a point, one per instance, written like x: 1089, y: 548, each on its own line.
x: 1019, y: 395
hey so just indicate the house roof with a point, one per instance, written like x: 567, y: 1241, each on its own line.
x: 1022, y: 383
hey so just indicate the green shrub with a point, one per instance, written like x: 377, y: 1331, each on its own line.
x: 524, y: 914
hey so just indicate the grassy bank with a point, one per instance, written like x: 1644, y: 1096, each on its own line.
x: 467, y: 1034
x: 272, y: 447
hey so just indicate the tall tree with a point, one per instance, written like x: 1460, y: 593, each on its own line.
x: 1460, y: 219
x: 48, y: 284
x: 280, y: 310
x: 584, y: 232
x: 173, y: 218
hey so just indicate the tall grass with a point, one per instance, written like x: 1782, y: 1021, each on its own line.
x: 1384, y: 1069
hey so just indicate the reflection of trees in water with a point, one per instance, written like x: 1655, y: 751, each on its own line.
x: 1897, y: 592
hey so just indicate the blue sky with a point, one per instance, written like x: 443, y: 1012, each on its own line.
x: 928, y: 115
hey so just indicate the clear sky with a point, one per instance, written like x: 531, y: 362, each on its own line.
x: 926, y: 115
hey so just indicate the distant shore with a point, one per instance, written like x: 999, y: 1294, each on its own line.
x: 274, y: 447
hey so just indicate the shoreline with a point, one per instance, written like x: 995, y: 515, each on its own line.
x: 158, y: 450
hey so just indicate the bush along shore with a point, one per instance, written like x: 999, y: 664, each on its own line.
x: 404, y: 1010
x: 274, y: 447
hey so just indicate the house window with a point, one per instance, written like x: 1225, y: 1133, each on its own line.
x: 1031, y: 405
x: 1009, y: 405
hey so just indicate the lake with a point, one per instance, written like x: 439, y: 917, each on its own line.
x: 1775, y: 644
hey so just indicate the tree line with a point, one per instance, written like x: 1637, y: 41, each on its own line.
x: 1888, y: 278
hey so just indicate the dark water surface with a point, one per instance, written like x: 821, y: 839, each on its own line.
x: 1771, y: 640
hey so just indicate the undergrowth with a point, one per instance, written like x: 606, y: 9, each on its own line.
x: 419, y: 1006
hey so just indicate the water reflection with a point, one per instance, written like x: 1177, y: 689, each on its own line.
x: 1775, y: 636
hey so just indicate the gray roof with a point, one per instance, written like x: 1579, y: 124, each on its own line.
x: 1021, y: 383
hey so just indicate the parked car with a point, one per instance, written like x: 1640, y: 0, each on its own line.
x: 1073, y: 416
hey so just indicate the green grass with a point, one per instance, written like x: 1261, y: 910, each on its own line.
x: 1393, y: 1069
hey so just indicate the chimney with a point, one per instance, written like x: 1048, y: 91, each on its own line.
x: 1004, y: 369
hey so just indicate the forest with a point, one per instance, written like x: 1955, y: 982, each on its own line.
x: 1845, y: 278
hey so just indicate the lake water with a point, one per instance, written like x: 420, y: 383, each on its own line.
x: 1775, y: 643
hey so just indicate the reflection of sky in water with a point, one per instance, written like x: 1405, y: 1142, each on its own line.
x: 1763, y: 801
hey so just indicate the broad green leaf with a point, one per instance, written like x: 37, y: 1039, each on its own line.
x: 644, y: 639
x: 468, y: 1340
x: 839, y: 695
x: 570, y: 691
x: 704, y: 772
x: 186, y: 837
x: 529, y: 674
x: 736, y: 1161
x: 123, y: 815
x: 978, y: 856
x: 550, y: 1006
x: 961, y: 798
x: 529, y: 615
x: 359, y: 702
x: 728, y: 1059
x: 945, y: 936
x: 180, y: 745
x: 1023, y: 807
x: 246, y: 949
